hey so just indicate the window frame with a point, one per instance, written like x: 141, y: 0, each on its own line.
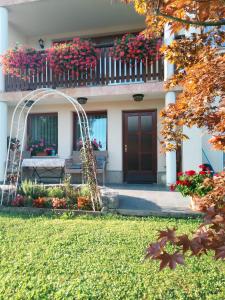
x: 89, y: 113
x: 29, y: 120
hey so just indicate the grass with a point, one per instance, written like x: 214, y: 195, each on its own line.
x: 97, y: 258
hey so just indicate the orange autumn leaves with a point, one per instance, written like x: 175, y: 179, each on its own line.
x: 202, y: 99
x: 182, y: 13
x: 199, y: 63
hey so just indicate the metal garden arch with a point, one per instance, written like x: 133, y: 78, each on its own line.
x: 18, y: 125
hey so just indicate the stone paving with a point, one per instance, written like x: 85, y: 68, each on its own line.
x: 150, y: 199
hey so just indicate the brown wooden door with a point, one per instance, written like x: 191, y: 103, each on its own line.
x: 140, y: 146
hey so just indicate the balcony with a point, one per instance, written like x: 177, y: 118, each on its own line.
x: 107, y: 72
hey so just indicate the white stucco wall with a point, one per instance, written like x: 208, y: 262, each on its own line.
x: 192, y: 149
x: 211, y: 156
x: 114, y: 112
x: 16, y: 37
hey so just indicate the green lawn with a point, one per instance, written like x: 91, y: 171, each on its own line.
x: 97, y: 258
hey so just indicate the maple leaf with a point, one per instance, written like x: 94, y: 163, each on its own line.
x: 183, y: 241
x: 170, y: 260
x: 220, y: 253
x: 168, y: 235
x: 155, y: 249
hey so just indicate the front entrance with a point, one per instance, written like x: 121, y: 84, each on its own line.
x: 140, y: 146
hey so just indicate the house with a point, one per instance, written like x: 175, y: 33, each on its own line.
x: 129, y: 130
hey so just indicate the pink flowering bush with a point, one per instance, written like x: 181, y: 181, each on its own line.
x: 131, y: 48
x: 18, y: 61
x: 77, y: 56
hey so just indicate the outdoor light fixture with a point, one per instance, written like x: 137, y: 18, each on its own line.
x: 138, y: 97
x: 28, y: 103
x: 41, y: 43
x: 82, y: 100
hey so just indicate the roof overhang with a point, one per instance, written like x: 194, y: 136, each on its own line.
x: 51, y: 17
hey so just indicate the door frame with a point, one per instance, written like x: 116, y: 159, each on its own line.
x: 124, y: 112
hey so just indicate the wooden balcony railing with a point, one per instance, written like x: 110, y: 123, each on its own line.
x: 107, y: 72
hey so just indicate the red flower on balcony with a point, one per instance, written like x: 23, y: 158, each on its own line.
x: 131, y: 48
x: 22, y: 62
x: 76, y: 57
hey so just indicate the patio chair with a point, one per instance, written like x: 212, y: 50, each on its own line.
x: 101, y: 161
x: 73, y: 165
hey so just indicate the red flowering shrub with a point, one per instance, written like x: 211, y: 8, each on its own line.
x: 77, y: 57
x: 18, y: 61
x: 41, y: 202
x: 59, y: 203
x: 190, y: 183
x: 209, y: 237
x: 18, y: 201
x: 131, y: 47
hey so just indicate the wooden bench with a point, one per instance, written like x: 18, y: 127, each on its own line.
x: 73, y: 166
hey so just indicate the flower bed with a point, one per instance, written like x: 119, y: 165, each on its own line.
x: 57, y: 197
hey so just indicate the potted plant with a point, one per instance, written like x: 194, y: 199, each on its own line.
x: 14, y: 144
x: 37, y: 148
x: 191, y: 183
x: 40, y: 148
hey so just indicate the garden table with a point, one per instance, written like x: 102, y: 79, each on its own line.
x: 44, y: 167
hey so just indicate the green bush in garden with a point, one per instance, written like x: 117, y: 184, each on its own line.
x: 56, y: 192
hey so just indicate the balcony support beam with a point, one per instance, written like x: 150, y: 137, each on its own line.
x: 170, y: 97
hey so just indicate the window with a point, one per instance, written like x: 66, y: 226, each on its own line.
x: 43, y: 127
x: 98, y: 131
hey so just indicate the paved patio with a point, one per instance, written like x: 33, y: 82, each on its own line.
x: 150, y: 199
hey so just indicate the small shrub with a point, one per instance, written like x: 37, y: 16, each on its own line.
x: 56, y: 192
x: 71, y: 193
x: 32, y: 190
x: 84, y: 191
x: 18, y: 201
x: 84, y: 198
x: 27, y: 188
x: 59, y: 203
x: 39, y: 190
x: 42, y: 202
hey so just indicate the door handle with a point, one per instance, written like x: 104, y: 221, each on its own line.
x: 125, y: 148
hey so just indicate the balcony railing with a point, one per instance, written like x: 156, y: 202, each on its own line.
x: 107, y: 72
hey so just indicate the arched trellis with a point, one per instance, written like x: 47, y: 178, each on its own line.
x: 18, y: 125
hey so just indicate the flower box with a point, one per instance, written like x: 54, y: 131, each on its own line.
x: 41, y: 153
